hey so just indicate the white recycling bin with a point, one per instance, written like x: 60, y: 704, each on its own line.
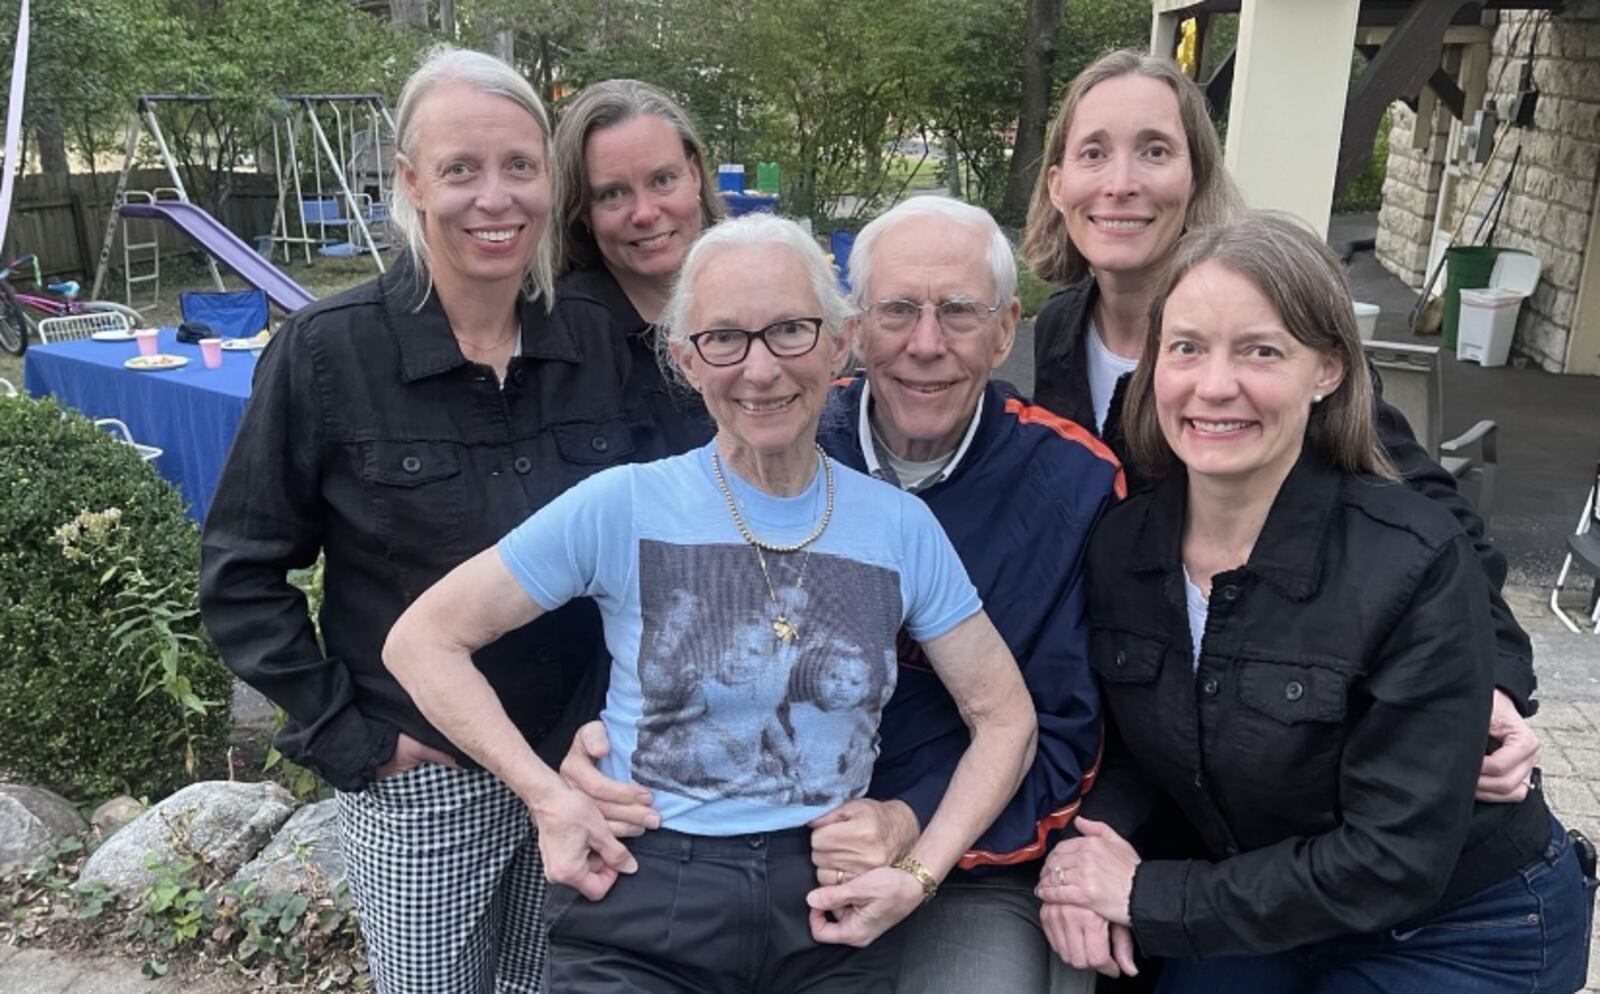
x: 1366, y: 319
x: 1489, y: 316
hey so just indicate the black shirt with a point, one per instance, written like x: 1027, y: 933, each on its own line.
x: 1061, y: 385
x: 1326, y: 747
x: 371, y: 439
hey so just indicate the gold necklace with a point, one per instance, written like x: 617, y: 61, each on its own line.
x: 477, y: 349
x: 782, y: 627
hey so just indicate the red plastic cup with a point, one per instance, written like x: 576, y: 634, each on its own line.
x: 147, y: 341
x: 211, y: 352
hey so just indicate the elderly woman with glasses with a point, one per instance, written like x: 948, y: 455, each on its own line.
x: 727, y: 577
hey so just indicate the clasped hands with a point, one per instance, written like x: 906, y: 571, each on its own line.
x: 1085, y: 884
x: 858, y: 898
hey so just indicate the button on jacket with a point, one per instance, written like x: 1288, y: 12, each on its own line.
x: 370, y: 438
x: 1061, y: 385
x: 666, y: 417
x: 1327, y: 746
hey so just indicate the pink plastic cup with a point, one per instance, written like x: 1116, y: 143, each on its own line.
x: 147, y: 341
x: 211, y: 352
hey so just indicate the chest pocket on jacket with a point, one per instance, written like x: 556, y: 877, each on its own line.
x: 420, y: 501
x: 1121, y: 657
x: 1292, y: 694
x: 605, y: 443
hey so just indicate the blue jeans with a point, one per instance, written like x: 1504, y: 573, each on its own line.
x: 1526, y: 934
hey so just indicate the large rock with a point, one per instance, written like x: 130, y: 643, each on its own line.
x: 111, y: 816
x: 32, y: 822
x: 222, y: 822
x: 307, y: 845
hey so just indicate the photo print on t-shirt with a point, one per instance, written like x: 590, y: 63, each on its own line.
x: 729, y: 709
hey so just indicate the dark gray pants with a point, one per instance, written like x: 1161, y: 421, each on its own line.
x: 708, y: 916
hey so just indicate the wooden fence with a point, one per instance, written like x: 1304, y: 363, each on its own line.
x: 62, y: 220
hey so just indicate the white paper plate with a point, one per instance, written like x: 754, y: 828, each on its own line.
x: 156, y: 363
x: 242, y: 344
x: 117, y: 335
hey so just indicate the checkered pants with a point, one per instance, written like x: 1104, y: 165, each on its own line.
x: 444, y: 868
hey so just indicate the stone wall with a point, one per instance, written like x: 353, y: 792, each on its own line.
x: 1552, y: 193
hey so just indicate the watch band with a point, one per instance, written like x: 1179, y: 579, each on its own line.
x: 930, y: 886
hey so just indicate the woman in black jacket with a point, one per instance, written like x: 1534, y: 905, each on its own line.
x: 634, y: 194
x: 397, y: 429
x: 1296, y: 651
x: 1132, y: 163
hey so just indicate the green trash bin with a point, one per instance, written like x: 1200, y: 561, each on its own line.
x: 1467, y: 267
x: 767, y: 177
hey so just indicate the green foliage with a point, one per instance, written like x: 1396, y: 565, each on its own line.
x: 189, y: 910
x: 97, y: 611
x: 1365, y: 192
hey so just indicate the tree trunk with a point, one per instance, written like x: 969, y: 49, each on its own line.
x: 409, y: 13
x: 503, y: 46
x: 52, y: 145
x: 1038, y: 63
x: 447, y: 18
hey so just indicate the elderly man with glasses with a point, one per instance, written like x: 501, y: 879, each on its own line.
x: 1017, y: 490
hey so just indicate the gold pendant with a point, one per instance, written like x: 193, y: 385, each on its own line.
x: 784, y: 630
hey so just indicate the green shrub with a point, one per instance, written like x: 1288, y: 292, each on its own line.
x: 1365, y: 192
x: 107, y: 680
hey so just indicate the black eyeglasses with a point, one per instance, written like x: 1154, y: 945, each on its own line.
x: 785, y: 339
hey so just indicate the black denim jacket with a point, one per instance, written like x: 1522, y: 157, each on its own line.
x: 370, y: 438
x: 665, y: 416
x: 1327, y: 747
x: 1061, y: 385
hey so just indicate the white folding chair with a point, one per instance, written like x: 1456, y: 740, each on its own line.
x: 84, y: 325
x: 7, y: 388
x: 1583, y: 550
x: 146, y: 452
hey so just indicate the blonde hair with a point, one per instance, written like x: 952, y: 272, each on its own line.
x: 1305, y: 284
x: 443, y: 65
x: 1046, y: 246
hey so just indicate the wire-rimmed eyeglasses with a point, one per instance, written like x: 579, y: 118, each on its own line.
x: 785, y: 339
x: 957, y: 316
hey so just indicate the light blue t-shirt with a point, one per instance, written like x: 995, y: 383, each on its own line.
x: 733, y: 729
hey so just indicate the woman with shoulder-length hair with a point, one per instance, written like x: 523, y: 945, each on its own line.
x: 635, y: 191
x: 397, y: 429
x: 1131, y: 163
x: 778, y: 560
x: 1296, y: 650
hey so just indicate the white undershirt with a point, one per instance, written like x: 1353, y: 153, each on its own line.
x: 1105, y: 369
x: 1198, y: 608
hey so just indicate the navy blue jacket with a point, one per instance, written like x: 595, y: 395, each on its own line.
x: 1019, y: 508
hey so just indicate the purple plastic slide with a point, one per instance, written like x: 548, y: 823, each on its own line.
x: 228, y: 249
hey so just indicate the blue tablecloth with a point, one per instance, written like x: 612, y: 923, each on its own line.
x: 191, y: 412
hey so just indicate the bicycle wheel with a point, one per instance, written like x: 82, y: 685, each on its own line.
x: 104, y: 306
x: 15, y: 325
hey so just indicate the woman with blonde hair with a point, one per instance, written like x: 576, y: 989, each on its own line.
x: 397, y: 429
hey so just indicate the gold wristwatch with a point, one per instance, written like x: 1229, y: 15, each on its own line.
x: 930, y: 886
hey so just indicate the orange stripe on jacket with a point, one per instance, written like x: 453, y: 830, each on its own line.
x: 1059, y: 818
x: 1029, y: 414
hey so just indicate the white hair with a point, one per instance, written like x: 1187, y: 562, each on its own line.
x: 747, y: 232
x: 443, y: 65
x: 1002, y: 261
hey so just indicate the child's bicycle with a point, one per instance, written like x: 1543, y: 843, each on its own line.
x: 17, y: 325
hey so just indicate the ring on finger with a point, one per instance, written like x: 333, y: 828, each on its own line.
x: 840, y: 877
x: 1056, y: 875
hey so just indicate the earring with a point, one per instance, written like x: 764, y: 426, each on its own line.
x: 1316, y: 398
